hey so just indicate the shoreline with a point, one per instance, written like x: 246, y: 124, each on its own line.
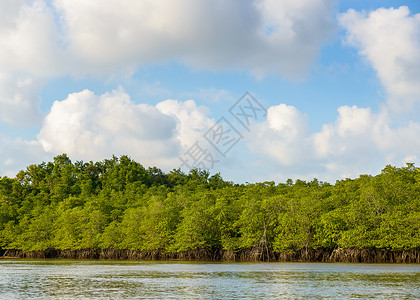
x: 338, y: 255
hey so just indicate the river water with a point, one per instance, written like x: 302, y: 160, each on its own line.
x: 79, y: 279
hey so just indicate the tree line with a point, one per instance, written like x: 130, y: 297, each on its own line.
x: 119, y: 204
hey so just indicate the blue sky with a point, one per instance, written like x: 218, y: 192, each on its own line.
x: 339, y: 79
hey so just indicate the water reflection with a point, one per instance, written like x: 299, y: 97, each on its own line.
x: 55, y: 279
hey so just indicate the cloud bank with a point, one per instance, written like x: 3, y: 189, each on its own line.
x: 359, y: 141
x: 390, y: 41
x: 98, y: 37
x: 40, y: 40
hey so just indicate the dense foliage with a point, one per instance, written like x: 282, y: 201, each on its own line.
x: 118, y: 204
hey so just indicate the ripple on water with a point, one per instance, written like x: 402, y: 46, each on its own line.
x: 65, y: 279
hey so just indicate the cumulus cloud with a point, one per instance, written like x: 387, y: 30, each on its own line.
x: 90, y: 127
x: 351, y: 132
x: 359, y: 141
x: 390, y: 41
x: 282, y: 136
x: 192, y: 120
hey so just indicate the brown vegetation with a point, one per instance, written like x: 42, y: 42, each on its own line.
x: 248, y: 255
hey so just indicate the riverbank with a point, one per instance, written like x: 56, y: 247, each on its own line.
x: 247, y: 255
x: 118, y: 204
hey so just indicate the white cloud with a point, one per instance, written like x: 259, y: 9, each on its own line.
x: 29, y: 39
x: 91, y: 127
x: 260, y: 36
x: 193, y: 120
x: 41, y: 39
x: 352, y: 132
x: 390, y: 40
x: 359, y: 141
x: 353, y: 120
x: 29, y: 51
x: 282, y: 136
x: 101, y: 37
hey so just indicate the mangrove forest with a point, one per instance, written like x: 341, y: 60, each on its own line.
x: 118, y: 209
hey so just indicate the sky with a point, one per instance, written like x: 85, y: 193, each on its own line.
x: 258, y: 90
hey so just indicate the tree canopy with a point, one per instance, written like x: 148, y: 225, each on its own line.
x: 119, y: 204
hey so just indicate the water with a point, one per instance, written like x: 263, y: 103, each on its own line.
x: 67, y: 279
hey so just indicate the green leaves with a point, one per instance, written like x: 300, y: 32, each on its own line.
x: 118, y: 204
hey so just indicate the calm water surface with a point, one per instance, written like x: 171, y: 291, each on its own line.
x: 67, y: 279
